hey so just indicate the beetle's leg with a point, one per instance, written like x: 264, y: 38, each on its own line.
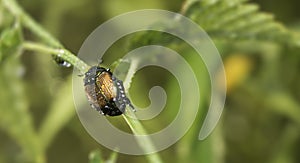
x: 101, y: 112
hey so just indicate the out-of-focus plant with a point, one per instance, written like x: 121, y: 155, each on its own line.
x: 234, y: 25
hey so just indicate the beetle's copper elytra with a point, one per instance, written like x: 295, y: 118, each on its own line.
x: 105, y: 92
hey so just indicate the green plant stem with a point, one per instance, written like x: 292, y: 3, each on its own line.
x: 27, y: 21
x: 60, y: 113
x: 112, y: 158
x: 35, y: 28
x: 144, y: 142
x: 185, y: 6
x: 134, y: 124
x: 63, y: 53
x: 131, y: 71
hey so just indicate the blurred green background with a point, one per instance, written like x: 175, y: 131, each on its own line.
x: 261, y: 119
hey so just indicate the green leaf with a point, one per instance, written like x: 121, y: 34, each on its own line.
x: 10, y: 41
x: 225, y: 20
x: 6, y: 18
x: 112, y: 158
x: 95, y: 157
x: 237, y: 20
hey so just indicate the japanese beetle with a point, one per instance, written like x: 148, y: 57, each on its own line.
x: 105, y: 92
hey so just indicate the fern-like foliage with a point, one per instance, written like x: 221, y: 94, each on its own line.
x: 238, y: 20
x: 225, y: 20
